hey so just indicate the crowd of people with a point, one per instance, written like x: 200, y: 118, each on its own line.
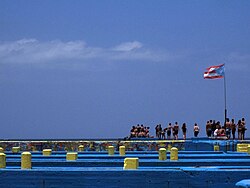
x: 214, y: 129
x: 174, y: 129
x: 139, y: 131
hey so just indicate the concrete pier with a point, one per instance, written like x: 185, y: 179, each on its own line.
x: 194, y: 168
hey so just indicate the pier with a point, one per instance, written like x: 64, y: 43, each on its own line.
x: 199, y: 163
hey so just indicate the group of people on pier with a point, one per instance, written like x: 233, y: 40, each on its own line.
x: 214, y: 129
x: 174, y: 129
x: 139, y: 131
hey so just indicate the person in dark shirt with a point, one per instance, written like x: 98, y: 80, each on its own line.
x: 233, y: 128
x: 243, y: 128
x: 209, y: 128
x: 176, y: 130
x: 184, y: 130
x: 169, y: 128
x: 159, y: 131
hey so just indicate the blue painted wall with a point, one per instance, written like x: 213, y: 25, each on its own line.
x: 116, y: 177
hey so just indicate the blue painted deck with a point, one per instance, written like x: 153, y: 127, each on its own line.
x: 195, y: 168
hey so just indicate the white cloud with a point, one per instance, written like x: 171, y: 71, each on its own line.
x: 34, y: 51
x: 128, y: 46
x: 31, y: 50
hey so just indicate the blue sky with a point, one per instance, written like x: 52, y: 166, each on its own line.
x: 92, y: 69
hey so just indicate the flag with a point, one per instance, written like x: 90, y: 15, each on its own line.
x: 215, y: 72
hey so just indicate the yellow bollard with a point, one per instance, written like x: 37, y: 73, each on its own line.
x: 174, y: 154
x: 169, y: 147
x: 162, y: 154
x: 248, y: 149
x: 80, y: 148
x: 242, y: 147
x: 15, y: 149
x: 111, y: 150
x: 33, y: 148
x: 131, y: 163
x: 72, y: 156
x: 162, y: 144
x: 216, y: 148
x: 122, y: 150
x: 2, y: 160
x: 26, y: 160
x: 47, y: 152
x: 1, y: 150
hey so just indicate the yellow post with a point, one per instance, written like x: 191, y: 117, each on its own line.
x: 162, y: 144
x: 248, y: 149
x: 15, y: 149
x: 242, y: 147
x: 169, y: 147
x: 71, y: 156
x: 111, y: 150
x: 122, y: 150
x: 174, y: 154
x: 26, y: 160
x: 47, y: 152
x: 2, y: 160
x: 216, y: 148
x: 1, y: 150
x: 162, y: 154
x: 33, y: 148
x: 131, y: 163
x: 80, y: 148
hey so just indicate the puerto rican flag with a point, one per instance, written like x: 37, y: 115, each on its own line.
x: 215, y: 72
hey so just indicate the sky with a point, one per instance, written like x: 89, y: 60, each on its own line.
x: 92, y: 69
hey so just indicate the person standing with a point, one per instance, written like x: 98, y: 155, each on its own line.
x: 169, y: 128
x: 228, y: 128
x: 176, y: 130
x: 243, y: 128
x: 163, y: 134
x: 157, y: 131
x: 184, y: 130
x: 209, y: 128
x: 233, y: 128
x: 196, y: 130
x: 239, y: 125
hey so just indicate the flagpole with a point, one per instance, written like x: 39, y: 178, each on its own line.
x: 214, y: 72
x: 225, y: 96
